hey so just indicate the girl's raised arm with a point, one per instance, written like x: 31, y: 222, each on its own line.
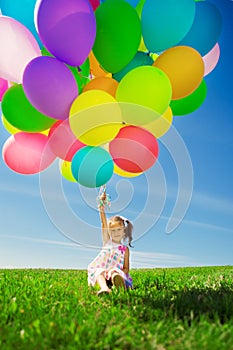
x: 104, y: 225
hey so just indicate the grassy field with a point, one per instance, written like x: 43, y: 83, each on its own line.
x: 180, y: 308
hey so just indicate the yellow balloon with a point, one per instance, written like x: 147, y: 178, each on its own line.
x: 154, y: 56
x: 10, y: 128
x: 45, y: 132
x: 95, y: 117
x: 142, y: 46
x: 160, y: 126
x: 139, y: 7
x: 65, y: 170
x: 124, y: 173
x: 184, y: 67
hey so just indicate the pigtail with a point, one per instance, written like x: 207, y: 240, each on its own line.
x: 129, y: 232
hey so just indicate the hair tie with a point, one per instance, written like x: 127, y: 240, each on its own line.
x: 124, y: 219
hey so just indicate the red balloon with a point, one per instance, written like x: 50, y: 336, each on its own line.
x: 62, y: 140
x: 95, y: 4
x: 134, y: 149
x: 27, y: 153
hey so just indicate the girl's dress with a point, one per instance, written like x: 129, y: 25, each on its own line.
x: 111, y: 257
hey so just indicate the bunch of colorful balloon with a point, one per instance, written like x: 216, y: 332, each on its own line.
x: 96, y: 84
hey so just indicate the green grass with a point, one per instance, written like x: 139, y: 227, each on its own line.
x: 180, y: 308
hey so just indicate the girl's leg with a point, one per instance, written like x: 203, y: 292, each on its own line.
x: 117, y: 280
x: 102, y: 283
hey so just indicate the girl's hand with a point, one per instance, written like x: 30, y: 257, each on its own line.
x: 103, y: 196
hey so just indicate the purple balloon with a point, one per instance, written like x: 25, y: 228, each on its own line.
x: 50, y: 86
x: 67, y: 28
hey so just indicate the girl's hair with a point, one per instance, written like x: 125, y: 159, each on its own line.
x: 128, y: 227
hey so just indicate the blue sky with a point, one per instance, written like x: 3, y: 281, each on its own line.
x: 58, y: 228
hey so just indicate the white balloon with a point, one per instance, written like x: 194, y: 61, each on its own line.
x: 211, y: 59
x: 18, y: 48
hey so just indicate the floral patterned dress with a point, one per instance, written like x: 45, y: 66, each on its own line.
x: 110, y: 258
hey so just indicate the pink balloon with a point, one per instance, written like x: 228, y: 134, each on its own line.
x: 211, y: 59
x: 27, y: 153
x: 3, y: 87
x: 62, y: 141
x: 134, y: 149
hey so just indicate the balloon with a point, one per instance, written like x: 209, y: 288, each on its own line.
x: 139, y: 7
x: 81, y: 73
x: 18, y: 47
x: 12, y: 130
x: 160, y: 126
x: 95, y: 117
x: 92, y: 166
x: 106, y: 84
x: 50, y: 86
x: 166, y: 22
x: 27, y: 153
x: 134, y: 149
x: 3, y: 87
x: 62, y: 141
x: 184, y: 67
x: 211, y: 59
x: 120, y: 172
x: 23, y: 12
x: 206, y: 28
x: 118, y: 34
x: 140, y: 59
x: 133, y: 3
x: 95, y: 4
x: 19, y: 112
x: 65, y: 170
x: 67, y: 28
x: 9, y: 128
x: 191, y: 102
x: 96, y: 69
x: 146, y: 92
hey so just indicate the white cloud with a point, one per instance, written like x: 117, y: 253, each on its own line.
x: 156, y: 259
x: 47, y: 241
x: 213, y: 203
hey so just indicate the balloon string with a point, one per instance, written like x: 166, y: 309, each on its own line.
x: 83, y: 76
x: 103, y: 203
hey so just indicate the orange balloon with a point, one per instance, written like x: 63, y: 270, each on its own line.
x: 184, y: 67
x: 95, y: 67
x: 106, y: 84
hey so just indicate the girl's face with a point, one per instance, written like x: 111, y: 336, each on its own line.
x: 116, y: 231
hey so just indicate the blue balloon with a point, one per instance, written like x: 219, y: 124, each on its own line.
x: 92, y: 166
x: 206, y: 28
x: 166, y: 22
x: 140, y: 59
x: 23, y: 12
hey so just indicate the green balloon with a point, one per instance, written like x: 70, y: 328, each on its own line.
x: 145, y: 93
x: 118, y: 34
x: 191, y: 102
x: 81, y: 73
x: 19, y: 112
x: 140, y: 59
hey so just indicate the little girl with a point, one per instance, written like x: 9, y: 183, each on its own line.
x: 111, y: 266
